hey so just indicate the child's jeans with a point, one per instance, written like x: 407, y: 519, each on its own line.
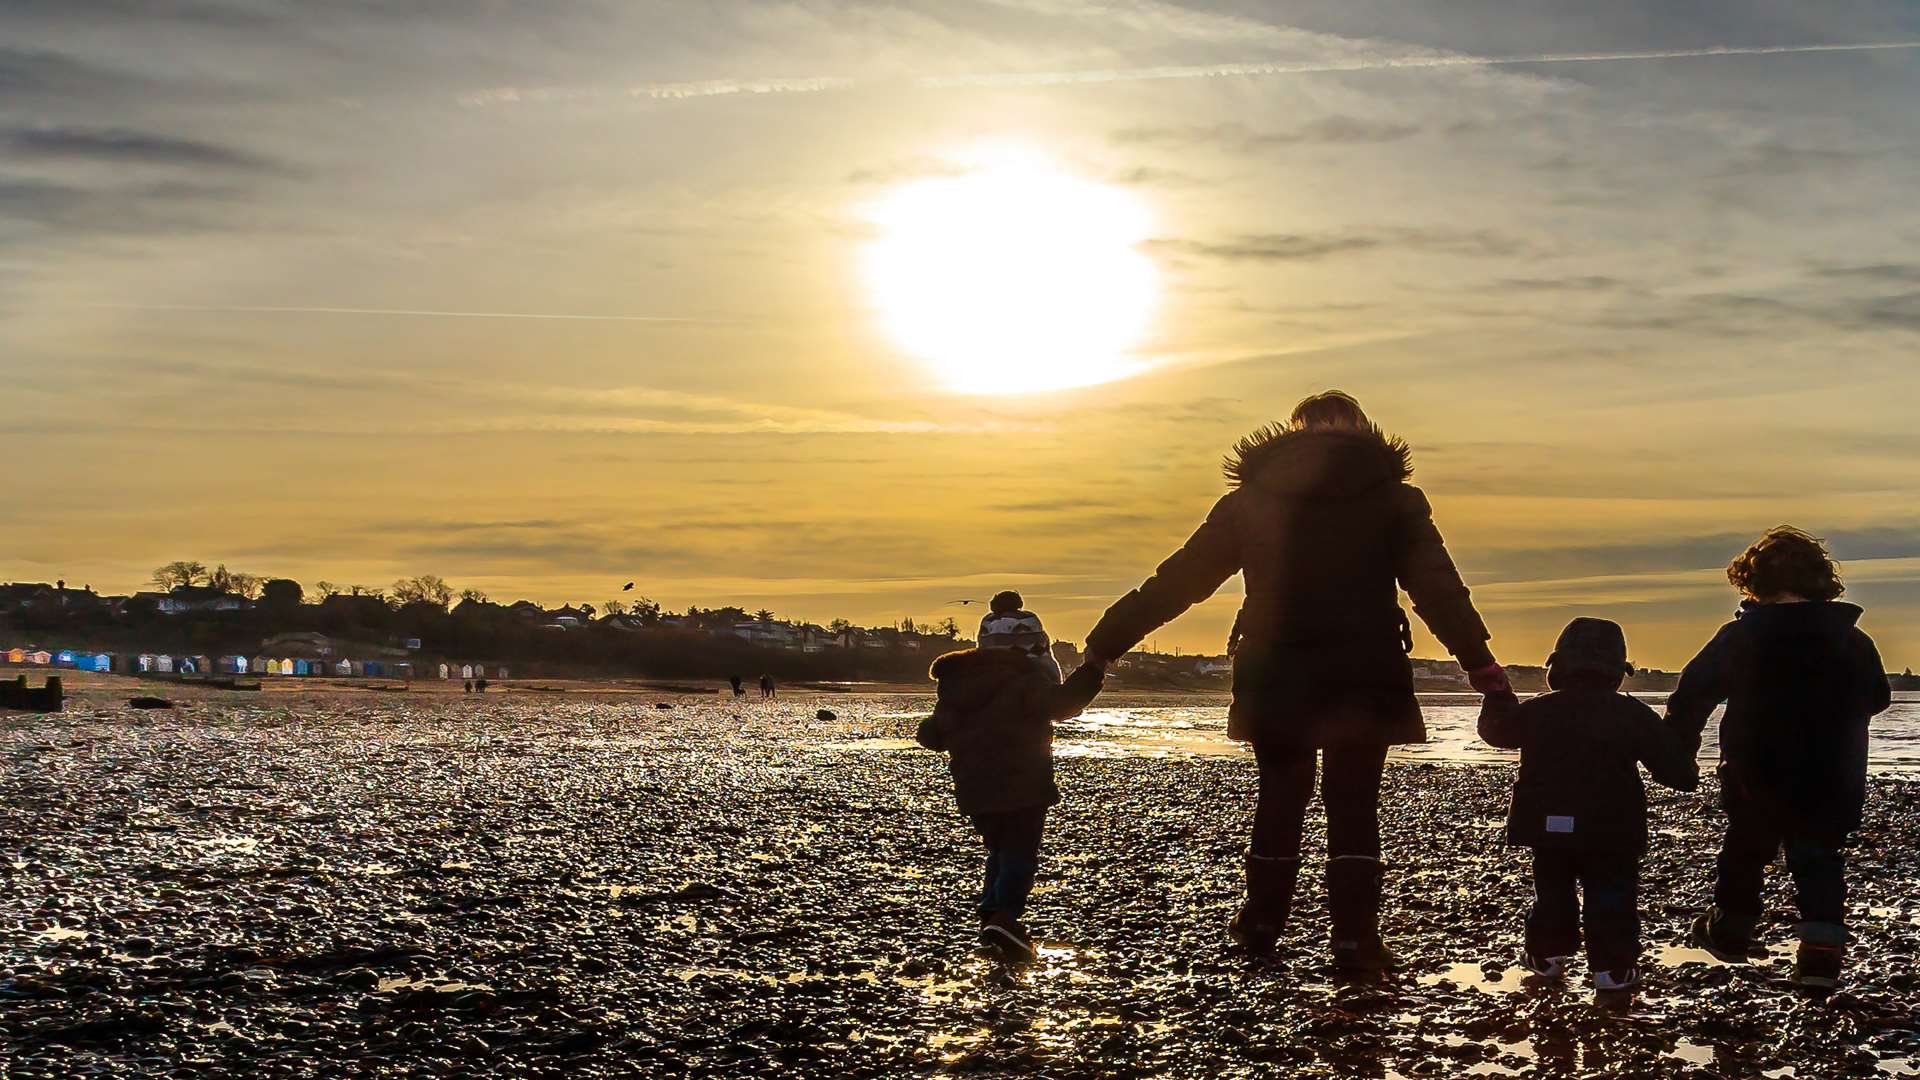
x: 1757, y: 828
x: 1013, y: 858
x: 1608, y: 901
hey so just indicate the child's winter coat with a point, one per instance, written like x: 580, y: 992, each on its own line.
x: 994, y: 717
x: 1579, y: 787
x: 1800, y: 682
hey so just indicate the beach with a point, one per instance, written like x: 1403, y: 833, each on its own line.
x: 656, y: 883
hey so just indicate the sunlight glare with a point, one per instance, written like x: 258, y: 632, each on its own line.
x: 1014, y: 277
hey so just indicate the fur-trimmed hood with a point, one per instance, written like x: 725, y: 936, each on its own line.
x: 1318, y: 461
x: 968, y: 677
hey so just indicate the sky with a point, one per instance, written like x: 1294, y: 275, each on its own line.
x: 544, y: 298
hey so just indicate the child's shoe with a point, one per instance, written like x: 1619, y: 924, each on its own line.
x: 1005, y: 934
x: 1611, y: 982
x: 1715, y: 933
x: 1547, y: 967
x: 1817, y: 966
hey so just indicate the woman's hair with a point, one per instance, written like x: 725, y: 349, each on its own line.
x: 1332, y: 408
x: 1786, y: 560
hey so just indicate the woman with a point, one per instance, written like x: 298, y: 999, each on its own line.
x: 1323, y: 522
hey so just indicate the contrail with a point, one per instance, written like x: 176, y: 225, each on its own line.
x: 681, y: 91
x: 276, y: 309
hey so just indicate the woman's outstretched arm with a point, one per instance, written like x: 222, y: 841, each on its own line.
x: 1208, y: 558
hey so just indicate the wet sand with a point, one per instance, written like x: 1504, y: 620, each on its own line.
x: 316, y: 885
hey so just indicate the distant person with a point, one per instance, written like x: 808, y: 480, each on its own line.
x: 1579, y: 804
x: 993, y: 715
x: 767, y: 692
x: 735, y: 681
x: 1800, y: 680
x: 479, y: 686
x: 467, y: 687
x: 1324, y: 524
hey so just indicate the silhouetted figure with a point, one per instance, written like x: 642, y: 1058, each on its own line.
x: 1579, y: 804
x: 994, y: 717
x: 738, y: 690
x: 1324, y: 524
x: 1800, y: 680
x: 479, y: 686
x: 467, y: 687
x: 767, y: 692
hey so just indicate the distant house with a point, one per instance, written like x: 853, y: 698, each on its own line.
x: 183, y: 599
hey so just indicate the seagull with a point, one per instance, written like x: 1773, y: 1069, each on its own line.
x: 963, y: 603
x: 628, y: 587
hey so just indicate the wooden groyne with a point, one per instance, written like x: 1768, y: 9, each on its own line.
x: 16, y: 694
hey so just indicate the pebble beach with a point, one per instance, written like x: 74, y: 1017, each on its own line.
x: 678, y: 885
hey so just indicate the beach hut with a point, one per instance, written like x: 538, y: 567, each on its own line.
x: 145, y: 663
x: 479, y: 671
x: 344, y: 669
x: 163, y: 664
x: 286, y: 665
x: 500, y: 673
x: 63, y: 658
x: 301, y: 667
x: 466, y: 671
x: 273, y: 667
x: 42, y: 657
x: 257, y: 665
x: 189, y: 665
x: 16, y: 656
x: 234, y: 665
x: 444, y: 672
x: 102, y: 662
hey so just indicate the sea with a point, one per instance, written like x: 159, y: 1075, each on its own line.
x: 1893, y: 737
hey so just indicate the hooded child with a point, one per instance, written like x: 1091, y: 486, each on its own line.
x: 993, y: 716
x: 1579, y: 802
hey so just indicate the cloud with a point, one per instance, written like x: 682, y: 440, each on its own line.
x: 1891, y: 273
x: 1283, y: 247
x: 1337, y: 129
x: 1578, y: 283
x: 121, y: 146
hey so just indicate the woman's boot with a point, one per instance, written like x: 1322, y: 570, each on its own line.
x: 1353, y: 899
x: 1263, y: 917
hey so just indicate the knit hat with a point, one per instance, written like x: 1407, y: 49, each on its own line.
x: 1594, y: 646
x: 1016, y: 629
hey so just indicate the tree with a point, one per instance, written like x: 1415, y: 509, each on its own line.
x: 229, y: 581
x: 949, y: 627
x: 430, y: 588
x: 327, y: 588
x: 763, y: 615
x: 367, y: 591
x: 840, y: 626
x: 474, y: 595
x: 907, y: 627
x: 645, y: 610
x: 178, y: 573
x: 587, y: 610
x: 282, y: 594
x: 614, y: 607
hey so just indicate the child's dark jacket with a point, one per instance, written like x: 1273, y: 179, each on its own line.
x: 1579, y: 786
x: 1800, y: 682
x: 994, y: 717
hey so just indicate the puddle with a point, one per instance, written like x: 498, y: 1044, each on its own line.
x: 438, y: 984
x: 1692, y: 1052
x: 1510, y: 981
x: 61, y: 933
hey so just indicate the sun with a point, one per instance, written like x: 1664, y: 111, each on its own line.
x: 1014, y: 277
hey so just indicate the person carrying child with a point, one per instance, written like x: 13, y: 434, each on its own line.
x: 1800, y: 680
x: 1579, y: 803
x: 994, y: 717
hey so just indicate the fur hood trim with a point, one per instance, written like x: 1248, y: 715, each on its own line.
x: 1268, y: 448
x: 965, y: 662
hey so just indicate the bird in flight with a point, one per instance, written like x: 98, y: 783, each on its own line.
x: 963, y: 603
x: 628, y: 587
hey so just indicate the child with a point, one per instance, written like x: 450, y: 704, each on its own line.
x: 994, y: 717
x: 1800, y: 681
x: 1579, y: 803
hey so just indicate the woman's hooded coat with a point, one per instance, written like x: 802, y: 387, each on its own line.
x: 1327, y: 529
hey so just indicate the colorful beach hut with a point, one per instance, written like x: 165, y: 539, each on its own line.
x: 16, y: 656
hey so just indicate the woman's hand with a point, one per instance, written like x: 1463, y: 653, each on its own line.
x: 1490, y: 680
